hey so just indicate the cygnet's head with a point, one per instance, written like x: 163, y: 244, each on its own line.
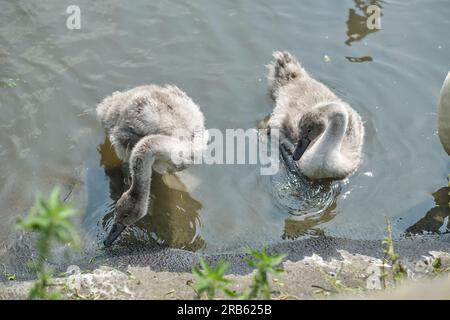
x: 310, y: 127
x: 332, y: 116
x: 129, y: 209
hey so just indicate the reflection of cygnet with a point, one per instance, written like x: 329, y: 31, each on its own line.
x: 147, y: 126
x: 327, y: 131
x: 181, y: 181
x: 444, y: 114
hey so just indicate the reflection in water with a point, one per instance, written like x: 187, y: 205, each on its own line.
x: 173, y: 214
x: 359, y: 59
x: 436, y: 219
x: 296, y: 226
x: 308, y: 203
x: 356, y: 23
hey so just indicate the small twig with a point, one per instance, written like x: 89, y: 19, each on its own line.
x: 69, y: 193
x: 324, y: 289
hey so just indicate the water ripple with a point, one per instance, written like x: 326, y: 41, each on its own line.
x: 303, y: 197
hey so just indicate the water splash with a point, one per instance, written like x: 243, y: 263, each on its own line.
x: 303, y: 197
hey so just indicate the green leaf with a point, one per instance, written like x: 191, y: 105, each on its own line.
x: 50, y: 219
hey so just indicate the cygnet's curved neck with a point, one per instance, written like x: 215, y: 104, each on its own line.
x: 141, y: 161
x: 329, y: 144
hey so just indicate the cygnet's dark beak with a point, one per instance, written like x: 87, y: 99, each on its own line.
x: 113, y: 234
x: 300, y: 149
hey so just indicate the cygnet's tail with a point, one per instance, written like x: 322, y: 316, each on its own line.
x: 283, y: 69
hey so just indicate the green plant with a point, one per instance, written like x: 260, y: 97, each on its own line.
x: 448, y: 184
x: 265, y: 265
x: 10, y: 83
x: 437, y: 267
x: 336, y: 285
x: 7, y: 275
x: 391, y: 257
x: 211, y: 280
x: 50, y: 219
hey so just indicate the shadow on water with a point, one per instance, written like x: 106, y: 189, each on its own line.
x: 295, y: 227
x: 173, y: 216
x: 359, y: 59
x: 357, y: 26
x: 436, y: 219
x: 357, y: 20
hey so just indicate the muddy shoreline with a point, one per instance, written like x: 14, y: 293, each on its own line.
x: 175, y: 260
x: 162, y: 273
x: 163, y: 259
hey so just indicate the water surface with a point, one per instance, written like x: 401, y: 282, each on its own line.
x: 216, y: 52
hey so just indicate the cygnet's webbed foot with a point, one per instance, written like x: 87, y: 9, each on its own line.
x: 287, y: 151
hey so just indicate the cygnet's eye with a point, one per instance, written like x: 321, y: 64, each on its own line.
x: 309, y: 130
